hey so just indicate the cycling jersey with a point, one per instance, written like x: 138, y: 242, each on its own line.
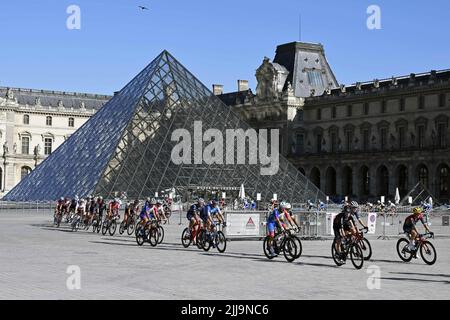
x: 272, y: 221
x: 145, y: 211
x: 114, y: 207
x: 413, y: 219
x: 206, y: 211
x: 192, y: 211
x: 214, y: 211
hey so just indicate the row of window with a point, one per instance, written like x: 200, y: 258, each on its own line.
x: 48, y: 120
x: 439, y: 139
x: 48, y: 145
x: 349, y: 110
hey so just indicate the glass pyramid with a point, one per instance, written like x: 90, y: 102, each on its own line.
x: 126, y: 146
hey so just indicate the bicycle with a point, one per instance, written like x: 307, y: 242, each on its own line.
x: 349, y: 246
x: 188, y: 237
x: 216, y: 237
x: 96, y: 223
x: 57, y: 218
x: 148, y: 233
x: 75, y: 223
x: 285, y: 242
x: 425, y: 247
x: 125, y: 225
x: 110, y: 225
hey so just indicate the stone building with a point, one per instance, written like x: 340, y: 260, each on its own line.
x: 363, y: 140
x: 33, y: 123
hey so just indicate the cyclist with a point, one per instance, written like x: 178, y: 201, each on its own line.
x: 113, y: 208
x: 342, y: 224
x: 148, y: 211
x: 409, y: 226
x: 354, y: 207
x: 91, y: 208
x: 160, y: 210
x: 216, y: 213
x: 205, y: 215
x: 193, y: 213
x: 273, y: 220
x: 73, y: 205
x: 59, y: 205
x: 101, y: 207
x: 287, y: 215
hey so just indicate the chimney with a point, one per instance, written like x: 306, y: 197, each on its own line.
x: 217, y: 89
x: 242, y: 85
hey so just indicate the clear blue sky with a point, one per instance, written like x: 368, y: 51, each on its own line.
x: 219, y: 41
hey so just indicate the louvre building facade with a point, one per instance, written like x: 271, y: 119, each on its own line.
x: 363, y: 140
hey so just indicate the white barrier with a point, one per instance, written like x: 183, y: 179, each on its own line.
x: 243, y: 223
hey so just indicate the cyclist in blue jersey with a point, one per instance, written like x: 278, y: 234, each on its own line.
x: 216, y: 213
x: 272, y: 221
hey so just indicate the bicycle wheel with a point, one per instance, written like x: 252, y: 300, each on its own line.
x: 221, y: 241
x: 140, y: 238
x: 428, y: 252
x: 356, y: 255
x: 122, y: 228
x: 153, y: 236
x: 299, y: 246
x: 200, y: 238
x: 336, y: 258
x: 403, y: 251
x: 160, y: 234
x: 130, y: 227
x: 266, y: 248
x: 290, y: 249
x: 105, y: 227
x: 366, y: 248
x: 186, y: 238
x: 206, y: 241
x: 94, y: 225
x: 112, y: 227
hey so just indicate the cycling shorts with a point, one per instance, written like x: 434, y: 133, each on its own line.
x: 271, y: 227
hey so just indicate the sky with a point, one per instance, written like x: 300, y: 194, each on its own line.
x: 218, y: 41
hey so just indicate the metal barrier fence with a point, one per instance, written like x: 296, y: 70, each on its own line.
x: 28, y: 207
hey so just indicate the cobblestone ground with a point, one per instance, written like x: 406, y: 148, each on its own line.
x: 35, y: 257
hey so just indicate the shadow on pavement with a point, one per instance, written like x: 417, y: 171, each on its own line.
x: 423, y: 274
x: 416, y: 279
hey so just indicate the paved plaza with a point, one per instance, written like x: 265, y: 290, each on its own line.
x: 35, y: 257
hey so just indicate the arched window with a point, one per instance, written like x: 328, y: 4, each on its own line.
x: 443, y: 180
x: 71, y: 122
x: 1, y: 179
x: 48, y: 121
x: 24, y: 171
x: 26, y: 119
x: 423, y: 175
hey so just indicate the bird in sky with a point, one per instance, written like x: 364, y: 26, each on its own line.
x: 143, y: 8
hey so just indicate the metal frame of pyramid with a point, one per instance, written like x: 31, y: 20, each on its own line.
x: 125, y: 148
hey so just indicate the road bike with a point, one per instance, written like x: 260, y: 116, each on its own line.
x: 191, y: 236
x: 214, y: 237
x: 425, y: 247
x: 285, y: 242
x: 110, y: 225
x: 364, y: 244
x: 148, y: 233
x: 350, y: 246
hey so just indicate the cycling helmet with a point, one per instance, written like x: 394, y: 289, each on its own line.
x: 354, y: 204
x: 100, y: 198
x: 288, y: 205
x: 76, y: 198
x: 283, y: 205
x: 62, y: 198
x: 417, y: 210
x: 153, y: 201
x: 136, y: 201
x: 213, y: 203
x: 201, y: 200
